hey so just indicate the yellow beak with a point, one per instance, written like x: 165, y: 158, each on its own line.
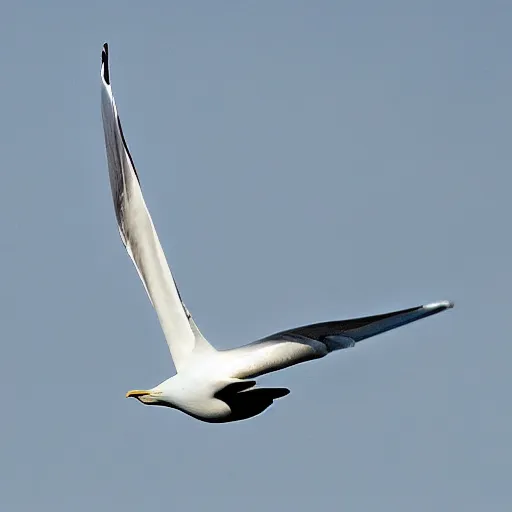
x: 134, y: 393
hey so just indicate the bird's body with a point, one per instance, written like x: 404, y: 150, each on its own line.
x: 214, y: 385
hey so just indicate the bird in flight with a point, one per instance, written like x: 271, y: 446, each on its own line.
x: 213, y: 385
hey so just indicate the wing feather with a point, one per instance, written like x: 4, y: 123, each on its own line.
x: 139, y: 236
x: 293, y: 346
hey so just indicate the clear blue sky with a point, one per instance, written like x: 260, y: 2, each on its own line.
x: 303, y: 161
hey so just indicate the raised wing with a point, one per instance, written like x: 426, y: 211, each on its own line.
x: 139, y: 236
x: 302, y: 344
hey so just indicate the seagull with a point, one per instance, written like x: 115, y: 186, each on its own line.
x: 211, y: 385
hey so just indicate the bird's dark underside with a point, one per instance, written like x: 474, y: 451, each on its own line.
x: 246, y: 404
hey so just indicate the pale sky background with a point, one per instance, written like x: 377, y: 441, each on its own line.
x: 303, y: 162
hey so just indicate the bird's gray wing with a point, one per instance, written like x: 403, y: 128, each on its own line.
x: 139, y: 236
x: 293, y: 346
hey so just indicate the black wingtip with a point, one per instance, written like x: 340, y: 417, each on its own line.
x: 104, y: 62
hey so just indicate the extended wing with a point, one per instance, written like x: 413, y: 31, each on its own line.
x: 139, y: 236
x: 302, y: 344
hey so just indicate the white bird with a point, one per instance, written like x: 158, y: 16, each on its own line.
x: 214, y: 385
